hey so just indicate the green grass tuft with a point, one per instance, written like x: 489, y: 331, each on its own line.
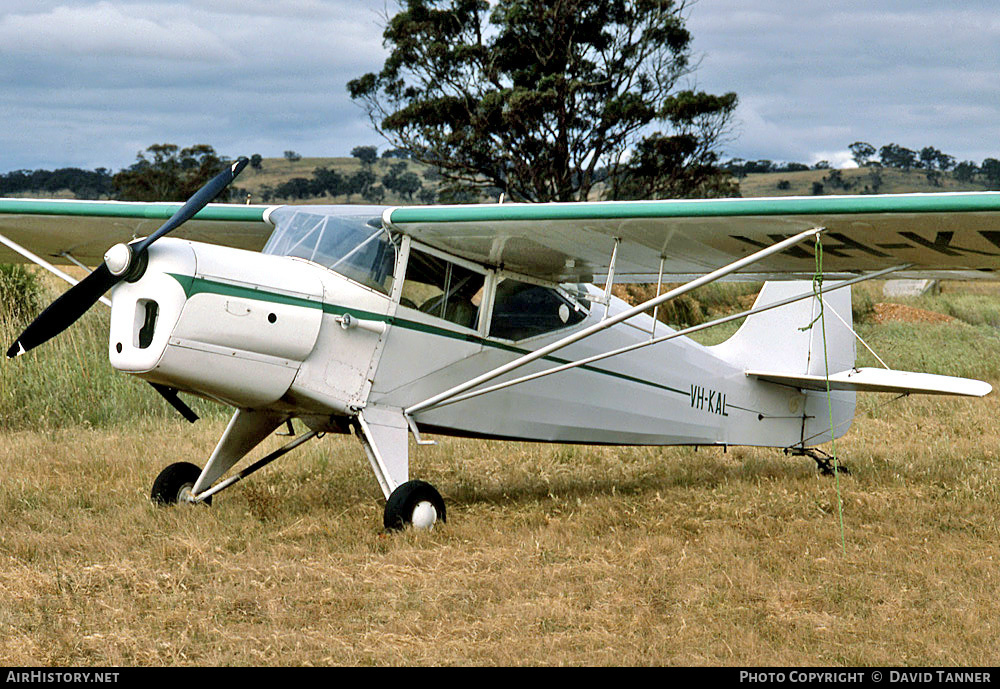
x: 68, y: 381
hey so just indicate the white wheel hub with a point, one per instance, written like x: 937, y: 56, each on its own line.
x: 424, y: 515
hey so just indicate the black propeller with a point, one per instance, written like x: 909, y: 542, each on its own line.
x: 121, y: 262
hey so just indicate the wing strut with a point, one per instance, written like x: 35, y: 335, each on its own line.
x: 611, y: 277
x: 659, y: 287
x: 38, y: 260
x: 664, y: 338
x: 72, y: 259
x: 613, y: 320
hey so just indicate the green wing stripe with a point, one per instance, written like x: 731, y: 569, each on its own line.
x: 125, y: 209
x: 620, y: 210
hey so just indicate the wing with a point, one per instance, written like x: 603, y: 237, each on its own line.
x: 86, y: 229
x: 949, y: 234
x: 956, y: 234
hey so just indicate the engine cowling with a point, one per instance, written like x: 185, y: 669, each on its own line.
x: 223, y: 323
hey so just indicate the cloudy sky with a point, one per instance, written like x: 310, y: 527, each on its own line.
x: 89, y: 83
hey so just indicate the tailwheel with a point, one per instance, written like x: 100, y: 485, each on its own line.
x: 825, y: 462
x: 414, y: 502
x: 174, y: 484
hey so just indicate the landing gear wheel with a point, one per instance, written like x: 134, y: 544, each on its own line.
x: 414, y: 502
x: 174, y: 484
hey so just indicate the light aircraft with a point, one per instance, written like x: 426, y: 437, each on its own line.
x: 485, y: 321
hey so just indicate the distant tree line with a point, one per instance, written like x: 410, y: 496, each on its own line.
x: 82, y: 183
x: 163, y: 172
x: 738, y: 167
x: 928, y: 159
x: 166, y: 172
x: 364, y: 184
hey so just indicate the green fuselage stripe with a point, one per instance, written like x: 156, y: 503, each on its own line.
x: 194, y: 285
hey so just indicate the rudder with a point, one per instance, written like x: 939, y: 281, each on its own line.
x: 790, y: 339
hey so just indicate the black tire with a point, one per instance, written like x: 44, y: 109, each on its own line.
x: 170, y: 484
x: 400, y: 505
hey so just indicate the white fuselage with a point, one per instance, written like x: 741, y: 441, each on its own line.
x: 260, y: 331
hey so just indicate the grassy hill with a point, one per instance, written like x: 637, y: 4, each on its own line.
x: 276, y: 171
x: 264, y: 185
x: 854, y: 181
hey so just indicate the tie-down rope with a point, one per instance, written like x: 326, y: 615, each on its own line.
x: 817, y: 286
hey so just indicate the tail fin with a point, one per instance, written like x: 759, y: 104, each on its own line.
x: 789, y: 339
x: 792, y: 339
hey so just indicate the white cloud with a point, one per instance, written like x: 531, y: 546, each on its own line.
x: 106, y: 29
x: 816, y: 76
x: 840, y: 160
x: 91, y: 82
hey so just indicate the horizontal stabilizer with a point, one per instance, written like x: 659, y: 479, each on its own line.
x: 881, y: 380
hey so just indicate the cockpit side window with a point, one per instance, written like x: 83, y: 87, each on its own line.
x: 522, y: 310
x: 443, y: 289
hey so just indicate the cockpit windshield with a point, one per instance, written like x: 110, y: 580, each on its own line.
x: 349, y: 240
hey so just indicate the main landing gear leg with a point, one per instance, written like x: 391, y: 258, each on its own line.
x: 184, y: 482
x: 384, y: 436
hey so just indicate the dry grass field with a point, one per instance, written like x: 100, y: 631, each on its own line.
x: 552, y: 555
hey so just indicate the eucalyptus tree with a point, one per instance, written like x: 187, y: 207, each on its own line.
x: 564, y: 100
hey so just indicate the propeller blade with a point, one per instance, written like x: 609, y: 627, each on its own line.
x: 194, y: 204
x: 64, y: 311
